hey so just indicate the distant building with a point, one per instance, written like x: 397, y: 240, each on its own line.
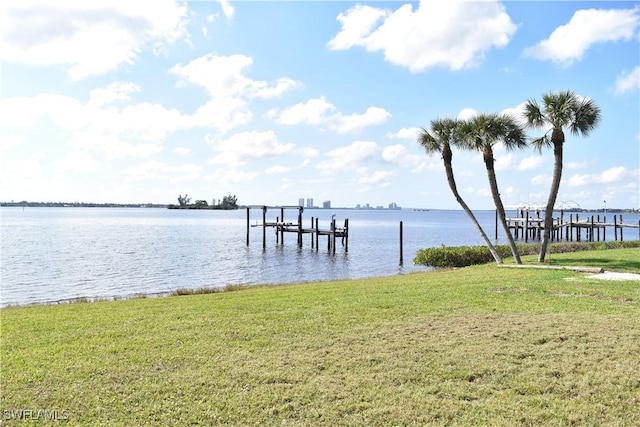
x: 393, y: 205
x: 309, y: 202
x: 326, y: 204
x: 301, y: 201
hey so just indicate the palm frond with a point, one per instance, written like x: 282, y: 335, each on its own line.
x: 541, y: 142
x: 533, y: 115
x: 586, y: 118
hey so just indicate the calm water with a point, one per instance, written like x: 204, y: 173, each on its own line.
x: 54, y: 254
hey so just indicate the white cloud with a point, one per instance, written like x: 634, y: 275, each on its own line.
x: 541, y: 180
x: 356, y: 122
x: 467, y: 113
x: 23, y: 169
x: 11, y: 141
x: 454, y: 34
x: 320, y: 112
x: 223, y: 76
x: 399, y: 155
x: 608, y: 176
x: 223, y: 114
x: 309, y: 152
x: 77, y: 161
x: 378, y: 178
x: 347, y: 158
x: 91, y: 37
x: 503, y: 162
x: 576, y: 165
x: 277, y: 170
x: 569, y: 42
x: 405, y: 133
x: 227, y: 9
x: 241, y: 147
x: 116, y: 91
x: 157, y: 170
x: 312, y: 112
x: 531, y: 162
x: 183, y: 151
x: 628, y: 82
x: 113, y: 146
x: 226, y: 176
x: 110, y: 123
x: 517, y: 112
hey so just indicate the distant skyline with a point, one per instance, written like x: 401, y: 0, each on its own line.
x: 140, y: 101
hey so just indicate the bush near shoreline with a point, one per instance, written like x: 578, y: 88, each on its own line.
x: 464, y: 256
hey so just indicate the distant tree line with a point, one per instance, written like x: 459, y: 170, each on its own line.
x: 25, y: 203
x: 226, y: 203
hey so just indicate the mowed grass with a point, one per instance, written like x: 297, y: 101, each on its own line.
x: 475, y: 346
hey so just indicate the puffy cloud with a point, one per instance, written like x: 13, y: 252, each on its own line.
x: 244, y: 146
x: 320, y: 112
x: 223, y: 76
x: 11, y: 141
x: 349, y: 157
x: 467, y: 113
x: 313, y: 112
x: 628, y: 82
x: 531, y: 162
x: 378, y: 178
x: 161, y: 171
x: 116, y: 91
x: 223, y: 114
x: 226, y: 176
x: 77, y: 161
x: 406, y: 133
x: 576, y: 165
x: 399, y: 155
x: 541, y: 180
x: 454, y: 34
x: 227, y: 9
x: 277, y: 170
x: 356, y: 122
x: 504, y: 161
x: 109, y: 123
x: 608, y: 176
x: 569, y: 42
x: 91, y: 38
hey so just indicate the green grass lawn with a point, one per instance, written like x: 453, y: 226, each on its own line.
x: 476, y: 346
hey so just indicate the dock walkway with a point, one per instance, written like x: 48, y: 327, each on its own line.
x: 281, y: 227
x: 525, y: 226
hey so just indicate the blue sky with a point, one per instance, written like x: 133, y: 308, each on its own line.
x: 140, y: 101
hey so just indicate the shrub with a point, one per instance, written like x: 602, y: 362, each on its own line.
x: 464, y: 256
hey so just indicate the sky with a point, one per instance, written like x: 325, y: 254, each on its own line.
x: 134, y: 101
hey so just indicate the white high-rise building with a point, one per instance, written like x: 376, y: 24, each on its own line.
x: 309, y: 202
x: 301, y: 201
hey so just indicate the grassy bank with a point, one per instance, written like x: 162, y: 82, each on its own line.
x: 476, y: 346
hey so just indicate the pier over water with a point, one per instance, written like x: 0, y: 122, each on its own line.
x: 282, y: 226
x: 529, y: 225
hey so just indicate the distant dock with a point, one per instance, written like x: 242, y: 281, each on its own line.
x: 528, y: 225
x: 282, y: 226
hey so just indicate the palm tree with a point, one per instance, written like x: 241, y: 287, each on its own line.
x: 559, y: 110
x: 481, y: 133
x: 439, y: 140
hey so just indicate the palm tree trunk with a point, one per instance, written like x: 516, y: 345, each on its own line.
x: 553, y: 195
x: 493, y: 183
x: 454, y: 189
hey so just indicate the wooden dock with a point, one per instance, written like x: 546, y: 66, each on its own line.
x: 594, y: 228
x: 281, y: 226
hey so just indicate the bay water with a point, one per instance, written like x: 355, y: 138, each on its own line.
x: 60, y: 254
